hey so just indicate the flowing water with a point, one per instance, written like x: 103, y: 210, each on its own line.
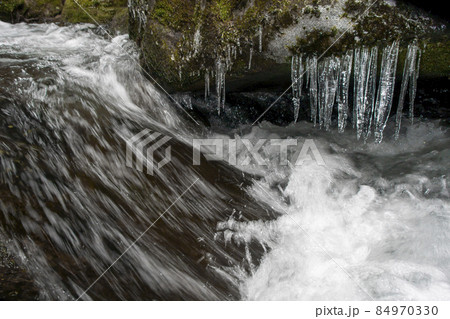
x: 372, y: 223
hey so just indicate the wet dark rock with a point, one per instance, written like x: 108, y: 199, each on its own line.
x: 15, y: 283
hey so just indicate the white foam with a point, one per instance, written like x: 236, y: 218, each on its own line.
x: 349, y: 233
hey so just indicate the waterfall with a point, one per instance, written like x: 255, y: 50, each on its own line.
x: 297, y: 82
x: 365, y: 91
x: 342, y: 96
x: 410, y: 76
x: 385, y: 93
x: 220, y: 84
x: 328, y: 84
x: 311, y: 69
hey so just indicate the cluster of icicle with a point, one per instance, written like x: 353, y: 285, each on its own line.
x: 138, y: 9
x: 328, y: 82
x: 224, y: 64
x: 218, y: 73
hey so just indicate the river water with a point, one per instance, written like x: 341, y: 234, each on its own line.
x: 372, y: 223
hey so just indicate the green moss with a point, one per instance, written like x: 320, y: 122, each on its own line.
x: 102, y: 11
x: 8, y: 8
x: 353, y: 7
x: 312, y: 11
x: 222, y: 8
x: 37, y: 9
x: 173, y: 13
x: 157, y: 58
x: 435, y: 60
x: 316, y: 41
x: 119, y: 21
x: 383, y: 23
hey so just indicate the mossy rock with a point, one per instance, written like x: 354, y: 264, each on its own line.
x: 436, y: 59
x: 9, y: 8
x: 42, y: 9
x: 181, y: 39
x: 112, y: 13
x: 30, y: 10
x: 92, y: 11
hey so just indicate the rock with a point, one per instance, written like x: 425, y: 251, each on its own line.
x: 111, y: 13
x: 15, y: 282
x: 30, y: 10
x: 181, y: 40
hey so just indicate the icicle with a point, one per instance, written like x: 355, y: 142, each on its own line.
x: 220, y: 85
x: 228, y: 58
x: 313, y: 96
x: 410, y: 75
x: 401, y: 100
x: 297, y: 83
x: 233, y: 52
x: 260, y: 34
x: 385, y: 93
x: 365, y: 93
x: 356, y: 69
x: 250, y: 58
x: 307, y: 73
x: 413, y: 87
x: 370, y: 96
x: 197, y: 42
x: 342, y: 96
x: 328, y: 83
x: 207, y: 86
